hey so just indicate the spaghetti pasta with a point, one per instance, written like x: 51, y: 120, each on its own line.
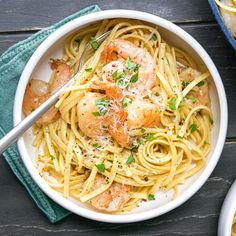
x: 136, y: 120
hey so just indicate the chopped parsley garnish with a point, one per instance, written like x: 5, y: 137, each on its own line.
x: 129, y: 64
x: 172, y: 103
x: 52, y: 157
x: 102, y: 104
x: 96, y: 145
x: 123, y: 82
x: 193, y: 127
x: 96, y: 113
x: 212, y: 121
x: 180, y: 137
x: 143, y: 130
x: 126, y: 101
x: 150, y: 137
x: 151, y: 196
x: 89, y: 69
x: 77, y: 40
x: 130, y: 159
x: 117, y: 75
x: 134, y: 78
x: 137, y: 67
x: 140, y: 141
x: 114, y: 75
x: 206, y: 142
x: 154, y: 37
x: 192, y: 98
x: 133, y: 147
x: 201, y: 83
x: 185, y: 84
x: 100, y: 167
x: 94, y: 43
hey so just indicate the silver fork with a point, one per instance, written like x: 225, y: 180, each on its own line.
x: 25, y: 124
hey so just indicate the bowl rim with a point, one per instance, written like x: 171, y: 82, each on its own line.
x: 227, y: 212
x: 108, y: 14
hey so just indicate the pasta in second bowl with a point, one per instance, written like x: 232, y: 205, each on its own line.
x: 134, y: 126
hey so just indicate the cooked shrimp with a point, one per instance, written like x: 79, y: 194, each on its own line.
x: 140, y: 113
x: 35, y: 94
x: 62, y: 74
x: 143, y: 114
x: 200, y: 92
x: 140, y: 56
x: 90, y: 124
x: 118, y: 129
x: 110, y: 68
x: 111, y: 89
x: 38, y: 91
x: 229, y: 17
x: 113, y: 199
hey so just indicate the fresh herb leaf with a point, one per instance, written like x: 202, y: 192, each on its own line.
x: 129, y: 64
x: 89, y: 69
x: 94, y: 43
x: 172, y: 103
x: 193, y: 127
x: 151, y: 196
x: 206, y: 142
x: 117, y: 75
x: 102, y: 104
x: 130, y: 159
x: 185, y: 84
x: 150, y: 137
x: 134, y: 78
x: 140, y: 141
x: 96, y: 145
x: 52, y: 157
x: 154, y: 37
x: 180, y: 137
x: 192, y: 98
x: 100, y: 167
x: 211, y: 121
x: 96, y: 113
x: 123, y: 82
x: 126, y: 101
x: 133, y: 147
x: 201, y: 83
x: 114, y: 75
x: 137, y: 67
x: 143, y: 130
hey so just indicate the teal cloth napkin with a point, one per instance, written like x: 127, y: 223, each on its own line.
x: 12, y: 63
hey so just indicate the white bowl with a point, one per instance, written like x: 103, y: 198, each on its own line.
x: 227, y: 213
x: 52, y: 47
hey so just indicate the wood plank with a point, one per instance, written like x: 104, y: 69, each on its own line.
x: 16, y: 15
x: 212, y: 39
x: 198, y: 216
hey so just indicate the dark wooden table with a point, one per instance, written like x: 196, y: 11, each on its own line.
x: 199, y: 216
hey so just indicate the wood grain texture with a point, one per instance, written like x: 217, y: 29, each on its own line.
x: 17, y: 15
x: 198, y: 216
